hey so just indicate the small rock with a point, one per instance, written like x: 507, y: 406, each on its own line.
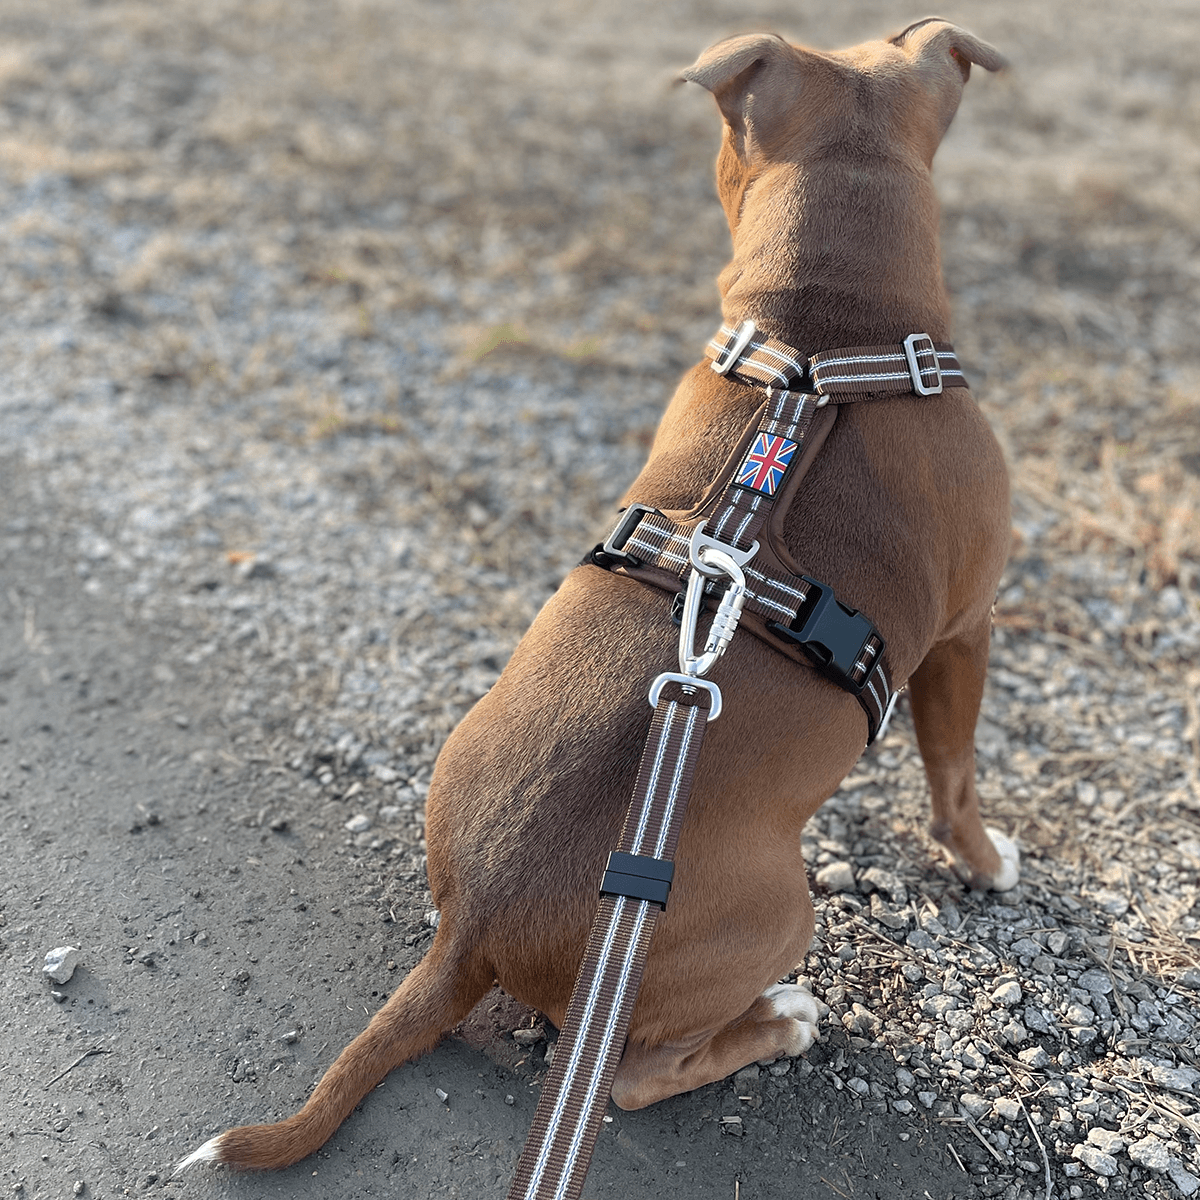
x: 878, y: 879
x: 1151, y: 1154
x: 61, y: 963
x: 1026, y: 948
x: 441, y: 1095
x: 57, y: 996
x: 862, y: 1021
x: 359, y: 823
x: 1058, y: 942
x: 733, y: 1125
x: 1015, y: 1032
x: 746, y: 1075
x: 1180, y: 1079
x: 927, y: 1098
x: 510, y: 1099
x: 918, y: 939
x: 977, y: 1106
x: 389, y: 814
x: 836, y: 877
x: 780, y: 1068
x: 79, y: 1188
x: 1034, y: 1057
x: 905, y: 1079
x: 1108, y: 1141
x: 385, y: 774
x: 1096, y: 1160
x: 971, y: 1056
x: 550, y: 1054
x: 1007, y: 1108
x: 1096, y: 981
x: 902, y: 1106
x: 433, y: 918
x: 1183, y: 1179
x: 1007, y: 994
x: 527, y: 1037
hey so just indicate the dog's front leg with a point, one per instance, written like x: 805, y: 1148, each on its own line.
x: 947, y: 689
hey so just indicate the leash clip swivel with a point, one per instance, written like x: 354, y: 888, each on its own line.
x: 710, y: 559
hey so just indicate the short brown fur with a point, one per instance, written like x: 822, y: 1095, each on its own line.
x: 824, y: 173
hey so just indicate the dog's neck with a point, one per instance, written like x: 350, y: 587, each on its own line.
x: 805, y: 273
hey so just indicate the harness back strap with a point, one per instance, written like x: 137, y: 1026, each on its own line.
x: 575, y: 1094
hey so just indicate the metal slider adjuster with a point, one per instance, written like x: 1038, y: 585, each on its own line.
x: 922, y: 343
x: 725, y: 361
x: 833, y: 636
x: 613, y: 546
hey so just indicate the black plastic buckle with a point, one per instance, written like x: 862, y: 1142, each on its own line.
x: 638, y: 876
x: 832, y: 635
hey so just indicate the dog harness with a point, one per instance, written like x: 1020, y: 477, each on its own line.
x: 733, y: 562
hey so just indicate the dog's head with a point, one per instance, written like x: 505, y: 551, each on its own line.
x: 784, y: 103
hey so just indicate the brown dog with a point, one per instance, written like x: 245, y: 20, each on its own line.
x: 824, y: 174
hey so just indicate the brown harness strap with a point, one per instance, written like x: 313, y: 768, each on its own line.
x: 570, y: 1111
x: 918, y: 364
x: 759, y: 481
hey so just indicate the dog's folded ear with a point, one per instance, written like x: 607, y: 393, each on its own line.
x: 936, y: 42
x: 754, y: 78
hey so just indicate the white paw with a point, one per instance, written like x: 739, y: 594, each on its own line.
x: 1009, y: 874
x: 797, y: 1003
x: 209, y: 1152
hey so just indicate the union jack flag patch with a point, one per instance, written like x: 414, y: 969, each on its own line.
x: 764, y: 466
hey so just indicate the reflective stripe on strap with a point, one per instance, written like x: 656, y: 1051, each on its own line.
x: 846, y: 373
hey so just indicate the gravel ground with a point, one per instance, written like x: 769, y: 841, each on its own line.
x: 333, y: 333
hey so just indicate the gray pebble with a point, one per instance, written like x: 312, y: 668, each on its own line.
x: 836, y: 877
x: 61, y: 963
x: 1096, y: 1160
x: 1007, y: 994
x: 1151, y: 1154
x: 1108, y: 1141
x: 359, y: 823
x: 1187, y: 1183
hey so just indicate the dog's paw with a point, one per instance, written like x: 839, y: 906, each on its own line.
x: 1009, y: 874
x: 797, y: 1004
x: 1005, y: 878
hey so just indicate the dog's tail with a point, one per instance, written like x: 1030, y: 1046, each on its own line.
x: 438, y: 993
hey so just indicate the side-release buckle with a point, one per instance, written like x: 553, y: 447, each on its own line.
x: 834, y: 637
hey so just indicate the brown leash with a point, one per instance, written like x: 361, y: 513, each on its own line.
x: 714, y: 546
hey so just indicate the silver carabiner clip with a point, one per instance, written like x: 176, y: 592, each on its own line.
x: 712, y: 563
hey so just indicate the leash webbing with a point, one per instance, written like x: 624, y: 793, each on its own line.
x: 570, y: 1112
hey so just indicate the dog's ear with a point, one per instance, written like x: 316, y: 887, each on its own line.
x: 942, y: 53
x: 755, y: 80
x: 935, y: 41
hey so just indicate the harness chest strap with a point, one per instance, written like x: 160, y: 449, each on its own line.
x: 793, y: 613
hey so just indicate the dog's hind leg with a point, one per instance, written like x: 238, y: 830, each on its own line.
x: 783, y: 1020
x: 946, y: 692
